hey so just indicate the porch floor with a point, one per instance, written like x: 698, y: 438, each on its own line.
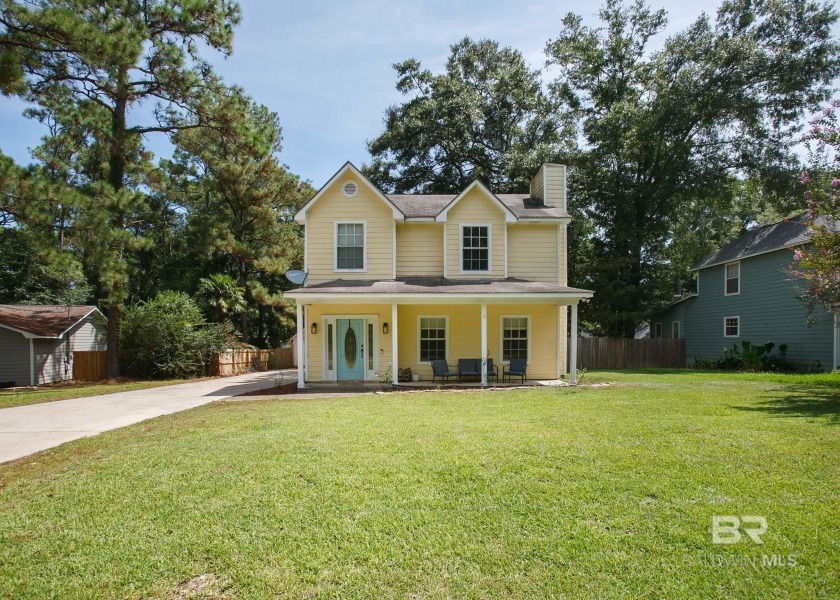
x: 372, y: 386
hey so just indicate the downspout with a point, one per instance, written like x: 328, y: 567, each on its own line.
x: 31, y: 364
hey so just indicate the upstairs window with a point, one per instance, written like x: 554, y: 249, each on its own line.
x: 349, y: 246
x: 514, y: 338
x: 475, y: 248
x: 733, y: 279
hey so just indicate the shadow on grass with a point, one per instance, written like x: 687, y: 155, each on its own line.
x: 796, y: 401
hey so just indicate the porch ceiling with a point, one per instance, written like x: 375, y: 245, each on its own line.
x: 437, y: 290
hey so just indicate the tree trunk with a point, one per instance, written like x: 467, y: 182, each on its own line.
x: 116, y: 176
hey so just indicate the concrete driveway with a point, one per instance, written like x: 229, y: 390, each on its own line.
x: 28, y: 429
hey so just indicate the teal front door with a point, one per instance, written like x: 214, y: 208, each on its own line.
x: 351, y: 356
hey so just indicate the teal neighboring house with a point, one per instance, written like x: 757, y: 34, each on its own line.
x: 744, y: 292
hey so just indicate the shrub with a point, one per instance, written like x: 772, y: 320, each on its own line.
x: 750, y: 357
x: 168, y: 337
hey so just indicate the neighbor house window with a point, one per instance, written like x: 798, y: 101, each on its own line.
x: 731, y: 326
x: 349, y: 246
x: 475, y: 248
x: 432, y: 338
x: 657, y: 330
x: 675, y: 330
x: 733, y: 278
x: 514, y: 338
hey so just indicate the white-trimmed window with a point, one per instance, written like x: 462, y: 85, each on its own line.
x: 516, y: 340
x: 475, y: 249
x: 657, y: 331
x: 675, y: 330
x: 731, y: 326
x: 432, y: 338
x: 349, y: 246
x: 732, y: 273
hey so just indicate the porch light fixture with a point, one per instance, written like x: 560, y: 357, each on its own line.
x: 385, y: 328
x: 314, y: 328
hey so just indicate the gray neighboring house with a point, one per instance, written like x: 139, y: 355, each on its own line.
x: 745, y: 293
x: 37, y: 342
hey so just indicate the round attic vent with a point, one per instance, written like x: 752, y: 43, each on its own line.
x: 350, y: 189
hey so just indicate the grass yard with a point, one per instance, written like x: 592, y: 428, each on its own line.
x: 604, y: 491
x: 66, y: 391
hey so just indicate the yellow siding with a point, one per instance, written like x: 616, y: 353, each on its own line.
x: 532, y: 252
x: 320, y: 233
x: 317, y: 313
x: 564, y: 255
x: 476, y: 209
x: 537, y: 184
x: 555, y: 186
x: 464, y: 335
x: 420, y: 250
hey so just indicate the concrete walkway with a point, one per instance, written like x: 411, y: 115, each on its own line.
x: 28, y: 429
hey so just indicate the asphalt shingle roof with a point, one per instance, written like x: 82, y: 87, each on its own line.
x: 430, y: 205
x: 437, y: 285
x: 784, y: 234
x: 42, y: 320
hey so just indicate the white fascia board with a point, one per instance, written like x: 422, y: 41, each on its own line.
x: 29, y: 334
x: 509, y: 216
x: 526, y: 220
x: 300, y: 216
x: 89, y: 313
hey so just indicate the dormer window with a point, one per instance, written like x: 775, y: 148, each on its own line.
x: 475, y: 248
x: 349, y: 246
x: 733, y: 279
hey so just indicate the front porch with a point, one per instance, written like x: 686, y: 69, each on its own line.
x: 369, y: 331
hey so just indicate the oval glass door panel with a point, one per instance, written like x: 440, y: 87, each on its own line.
x: 350, y: 348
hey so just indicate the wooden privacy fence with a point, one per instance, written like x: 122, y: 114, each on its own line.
x: 89, y: 365
x: 235, y: 362
x: 626, y: 353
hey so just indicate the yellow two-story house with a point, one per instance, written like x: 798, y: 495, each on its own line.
x: 398, y: 281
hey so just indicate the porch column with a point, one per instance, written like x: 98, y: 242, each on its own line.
x: 561, y: 334
x: 301, y: 326
x: 483, y: 345
x: 395, y: 361
x: 573, y: 335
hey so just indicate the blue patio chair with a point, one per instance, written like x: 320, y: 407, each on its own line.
x: 440, y: 368
x: 517, y: 367
x: 491, y: 370
x: 469, y: 367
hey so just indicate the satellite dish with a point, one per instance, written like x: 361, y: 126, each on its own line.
x: 298, y: 277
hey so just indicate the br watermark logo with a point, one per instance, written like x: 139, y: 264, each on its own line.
x: 727, y: 529
x: 743, y: 529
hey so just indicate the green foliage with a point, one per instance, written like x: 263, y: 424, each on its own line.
x: 818, y: 263
x: 220, y: 297
x: 28, y: 276
x: 750, y: 357
x: 94, y: 70
x: 485, y: 118
x: 167, y: 337
x: 667, y: 131
x: 241, y: 201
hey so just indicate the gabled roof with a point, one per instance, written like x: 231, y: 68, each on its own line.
x: 49, y: 321
x: 509, y: 216
x: 300, y: 216
x: 784, y: 234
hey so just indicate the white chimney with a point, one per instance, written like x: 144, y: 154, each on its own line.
x: 549, y: 185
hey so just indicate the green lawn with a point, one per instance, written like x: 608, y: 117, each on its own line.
x: 65, y: 391
x: 604, y: 491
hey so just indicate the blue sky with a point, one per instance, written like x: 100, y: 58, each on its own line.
x: 325, y: 66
